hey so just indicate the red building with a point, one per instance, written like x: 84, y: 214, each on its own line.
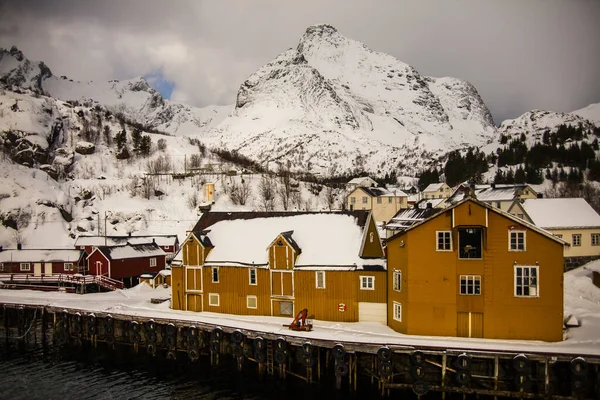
x: 126, y: 263
x: 168, y: 243
x: 42, y: 262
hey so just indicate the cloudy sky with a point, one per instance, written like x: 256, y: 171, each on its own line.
x: 520, y: 55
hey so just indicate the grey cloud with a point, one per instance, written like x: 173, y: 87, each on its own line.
x: 519, y: 55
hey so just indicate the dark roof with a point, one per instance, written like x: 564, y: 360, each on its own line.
x: 203, y: 238
x: 288, y: 236
x: 415, y: 213
x: 212, y: 217
x: 377, y: 267
x: 375, y: 191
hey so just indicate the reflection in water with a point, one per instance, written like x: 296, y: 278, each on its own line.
x: 41, y: 370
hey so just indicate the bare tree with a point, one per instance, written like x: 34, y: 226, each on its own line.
x: 239, y: 193
x: 192, y: 200
x: 266, y: 193
x: 297, y: 200
x: 18, y: 237
x: 147, y: 187
x: 284, y: 189
x: 330, y: 197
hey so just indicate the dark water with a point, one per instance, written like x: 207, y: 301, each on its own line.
x: 39, y: 369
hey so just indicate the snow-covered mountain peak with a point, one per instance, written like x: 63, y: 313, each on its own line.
x: 16, y: 70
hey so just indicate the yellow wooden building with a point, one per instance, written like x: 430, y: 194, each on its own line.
x: 476, y: 271
x: 278, y: 263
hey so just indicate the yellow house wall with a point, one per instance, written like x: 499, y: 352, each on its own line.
x: 233, y: 288
x: 385, y: 211
x: 177, y: 291
x: 194, y: 253
x: 372, y: 248
x: 442, y: 193
x: 340, y: 287
x: 431, y: 298
x: 586, y: 248
x: 281, y: 257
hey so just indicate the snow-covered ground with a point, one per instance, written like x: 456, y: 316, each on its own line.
x: 582, y: 300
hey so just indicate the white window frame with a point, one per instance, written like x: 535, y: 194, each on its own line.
x: 397, y: 283
x: 365, y: 200
x: 322, y: 273
x: 153, y: 262
x: 379, y: 200
x: 25, y: 267
x: 578, y: 237
x: 437, y: 240
x: 211, y: 297
x: 212, y: 274
x: 390, y: 200
x: 474, y: 281
x: 252, y: 273
x: 352, y: 200
x: 69, y: 267
x: 248, y: 298
x: 595, y: 237
x: 367, y: 282
x: 397, y: 311
x: 510, y: 242
x: 537, y: 281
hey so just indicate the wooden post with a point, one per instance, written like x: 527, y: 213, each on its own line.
x: 319, y: 363
x: 547, y: 377
x: 496, y: 373
x: 355, y: 370
x: 444, y: 362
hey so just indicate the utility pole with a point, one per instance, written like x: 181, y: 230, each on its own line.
x: 105, y: 228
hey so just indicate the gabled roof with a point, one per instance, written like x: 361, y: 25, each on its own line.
x: 288, y: 236
x: 434, y: 187
x: 129, y: 251
x: 489, y: 193
x: 360, y: 179
x: 325, y: 239
x: 382, y: 192
x: 210, y: 218
x: 41, y: 255
x: 406, y: 218
x: 203, y: 238
x: 490, y: 208
x: 95, y: 241
x: 561, y: 213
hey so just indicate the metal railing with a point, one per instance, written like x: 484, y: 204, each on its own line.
x: 103, y: 281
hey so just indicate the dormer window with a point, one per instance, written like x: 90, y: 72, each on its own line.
x: 470, y: 241
x: 280, y: 242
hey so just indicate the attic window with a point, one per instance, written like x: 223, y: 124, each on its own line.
x: 470, y: 243
x: 280, y: 242
x: 371, y: 235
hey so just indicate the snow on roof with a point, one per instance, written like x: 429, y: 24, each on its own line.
x: 383, y: 192
x: 561, y: 213
x: 325, y: 239
x: 433, y: 187
x: 358, y: 180
x: 408, y: 217
x: 131, y: 251
x: 161, y: 240
x: 487, y: 193
x: 34, y: 255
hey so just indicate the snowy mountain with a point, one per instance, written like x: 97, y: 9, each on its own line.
x: 133, y: 98
x: 534, y: 123
x: 333, y: 100
x: 591, y: 113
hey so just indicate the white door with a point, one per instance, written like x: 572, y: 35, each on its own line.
x: 37, y: 269
x: 47, y: 268
x: 372, y: 312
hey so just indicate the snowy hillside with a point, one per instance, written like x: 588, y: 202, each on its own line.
x: 591, y: 112
x: 134, y: 98
x: 333, y: 100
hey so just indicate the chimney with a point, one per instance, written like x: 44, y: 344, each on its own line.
x: 493, y: 185
x: 19, y: 246
x: 429, y: 205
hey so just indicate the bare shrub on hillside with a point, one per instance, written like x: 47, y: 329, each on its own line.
x: 195, y: 161
x: 132, y: 185
x: 18, y: 237
x: 161, y: 164
x: 330, y: 197
x: 161, y: 144
x: 266, y: 193
x: 192, y: 200
x: 284, y: 189
x: 147, y: 187
x: 239, y: 193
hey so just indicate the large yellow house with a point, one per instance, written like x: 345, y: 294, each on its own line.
x: 278, y: 263
x: 437, y: 191
x: 384, y: 203
x: 473, y: 270
x: 572, y: 220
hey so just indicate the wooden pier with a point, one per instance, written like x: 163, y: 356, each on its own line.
x: 464, y: 371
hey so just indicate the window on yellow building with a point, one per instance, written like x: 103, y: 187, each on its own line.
x: 516, y: 241
x: 526, y: 281
x: 470, y: 284
x: 444, y: 241
x: 365, y: 199
x: 398, y: 281
x: 470, y: 243
x: 320, y: 279
x: 352, y: 200
x: 595, y: 239
x: 577, y: 239
x: 397, y: 311
x: 251, y: 302
x: 390, y: 199
x: 213, y: 299
x: 379, y: 200
x: 215, y: 274
x: 367, y: 282
x: 252, y: 276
